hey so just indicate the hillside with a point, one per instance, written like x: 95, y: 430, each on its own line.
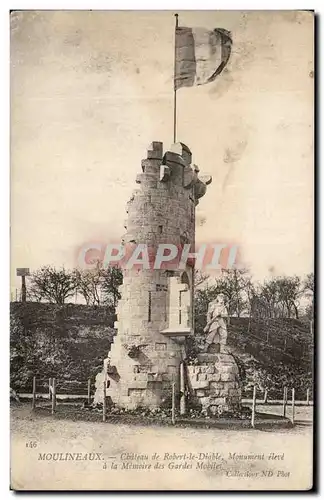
x: 70, y: 342
x: 273, y: 353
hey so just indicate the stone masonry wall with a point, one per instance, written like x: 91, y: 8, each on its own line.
x: 215, y: 382
x: 143, y: 361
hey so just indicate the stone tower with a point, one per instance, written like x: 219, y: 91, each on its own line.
x: 155, y: 313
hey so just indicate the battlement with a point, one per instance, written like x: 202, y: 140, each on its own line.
x: 174, y: 167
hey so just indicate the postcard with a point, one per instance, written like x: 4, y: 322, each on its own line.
x: 162, y: 250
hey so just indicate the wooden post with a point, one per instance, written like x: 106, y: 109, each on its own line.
x: 265, y: 398
x: 173, y: 404
x: 23, y: 289
x: 307, y: 397
x: 253, y: 407
x: 182, y: 390
x: 284, y: 402
x: 34, y: 394
x: 49, y: 388
x: 89, y: 391
x: 53, y: 395
x: 293, y: 406
x: 104, y: 402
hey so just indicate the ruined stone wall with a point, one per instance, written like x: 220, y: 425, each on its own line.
x: 215, y: 383
x: 145, y: 357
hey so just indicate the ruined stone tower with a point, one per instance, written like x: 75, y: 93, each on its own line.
x: 155, y: 313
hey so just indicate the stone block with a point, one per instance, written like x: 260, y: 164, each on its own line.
x: 216, y: 385
x: 207, y: 358
x: 165, y: 173
x: 200, y: 393
x: 137, y: 384
x: 226, y: 358
x: 234, y: 392
x: 210, y: 369
x: 235, y: 400
x: 229, y: 369
x: 226, y: 377
x: 214, y: 392
x: 200, y: 384
x: 181, y: 149
x: 202, y: 376
x: 140, y: 377
x: 216, y: 401
x: 170, y: 158
x: 154, y: 155
x: 231, y: 385
x: 156, y: 147
x: 204, y: 401
x: 188, y: 177
x: 223, y: 392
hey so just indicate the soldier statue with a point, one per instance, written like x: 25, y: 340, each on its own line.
x: 215, y: 329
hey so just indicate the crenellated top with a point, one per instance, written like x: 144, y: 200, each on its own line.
x: 175, y: 167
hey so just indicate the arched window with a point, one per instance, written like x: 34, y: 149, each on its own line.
x: 185, y: 279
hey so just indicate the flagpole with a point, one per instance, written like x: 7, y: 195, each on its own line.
x: 174, y: 83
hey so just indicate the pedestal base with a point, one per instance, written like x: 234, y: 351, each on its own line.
x: 214, y: 383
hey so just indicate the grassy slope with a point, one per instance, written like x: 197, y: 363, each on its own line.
x: 70, y: 343
x: 274, y: 353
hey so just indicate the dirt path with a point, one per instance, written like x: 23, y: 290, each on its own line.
x: 80, y: 455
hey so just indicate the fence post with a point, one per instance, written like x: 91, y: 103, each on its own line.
x: 293, y: 406
x: 253, y: 407
x: 89, y: 391
x: 307, y: 397
x: 284, y: 402
x: 53, y: 395
x: 104, y: 402
x: 34, y: 394
x: 49, y: 388
x: 182, y: 390
x: 265, y: 399
x: 173, y: 404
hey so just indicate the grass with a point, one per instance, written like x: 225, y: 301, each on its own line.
x: 74, y: 412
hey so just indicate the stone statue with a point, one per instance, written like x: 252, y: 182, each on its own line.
x: 215, y: 329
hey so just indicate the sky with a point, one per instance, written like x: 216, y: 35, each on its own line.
x: 90, y: 90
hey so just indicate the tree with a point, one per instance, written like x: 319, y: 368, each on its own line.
x: 279, y: 297
x: 111, y: 279
x: 309, y: 291
x: 289, y: 292
x: 233, y: 284
x: 309, y: 285
x: 100, y: 284
x: 268, y: 298
x: 88, y: 284
x: 200, y: 277
x: 52, y: 285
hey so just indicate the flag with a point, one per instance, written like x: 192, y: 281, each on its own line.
x: 200, y: 55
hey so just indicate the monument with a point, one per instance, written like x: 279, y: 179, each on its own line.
x: 155, y: 313
x: 214, y: 381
